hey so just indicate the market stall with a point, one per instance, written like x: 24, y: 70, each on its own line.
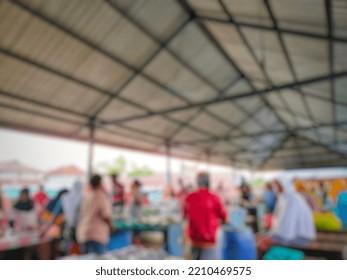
x: 29, y: 242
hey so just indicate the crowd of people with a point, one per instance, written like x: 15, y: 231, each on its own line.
x: 83, y: 216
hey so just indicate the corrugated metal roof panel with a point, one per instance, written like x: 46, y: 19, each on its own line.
x: 241, y: 142
x: 208, y: 8
x: 341, y: 113
x: 75, y: 97
x: 241, y: 86
x: 170, y: 72
x: 60, y: 62
x: 339, y: 11
x: 340, y: 90
x: 97, y: 70
x: 322, y: 111
x: 119, y: 140
x: 225, y: 146
x: 322, y: 89
x: 227, y: 111
x: 294, y: 101
x: 195, y: 48
x: 33, y: 83
x: 149, y: 13
x: 183, y: 115
x: 340, y: 56
x: 304, y: 121
x: 13, y: 22
x: 14, y: 118
x: 250, y: 104
x: 341, y: 135
x: 14, y: 102
x: 118, y: 109
x: 233, y: 44
x: 150, y: 95
x: 275, y: 99
x: 210, y: 125
x: 287, y: 117
x: 308, y: 15
x: 251, y: 126
x: 188, y: 135
x: 137, y: 135
x: 157, y: 125
x: 116, y: 136
x: 42, y: 43
x: 269, y: 52
x: 267, y: 118
x: 103, y: 26
x: 309, y: 56
x: 252, y: 11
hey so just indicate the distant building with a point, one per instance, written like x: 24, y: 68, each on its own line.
x: 14, y: 174
x: 64, y: 176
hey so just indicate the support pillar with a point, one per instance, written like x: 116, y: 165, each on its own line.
x: 168, y: 165
x: 90, y: 150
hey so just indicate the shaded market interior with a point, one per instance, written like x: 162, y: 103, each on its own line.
x: 249, y: 84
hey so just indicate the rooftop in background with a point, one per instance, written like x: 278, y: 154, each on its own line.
x: 16, y: 167
x: 261, y: 84
x: 69, y: 170
x: 14, y: 173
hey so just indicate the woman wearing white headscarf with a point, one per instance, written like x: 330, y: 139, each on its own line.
x: 71, y: 204
x: 293, y: 222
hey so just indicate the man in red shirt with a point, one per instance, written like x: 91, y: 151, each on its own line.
x: 205, y: 212
x: 41, y: 198
x: 117, y: 192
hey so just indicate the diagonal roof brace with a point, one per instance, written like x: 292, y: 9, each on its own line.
x: 233, y: 97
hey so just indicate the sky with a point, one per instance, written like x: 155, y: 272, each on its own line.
x: 47, y: 153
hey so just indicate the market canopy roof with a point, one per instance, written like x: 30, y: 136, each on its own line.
x: 260, y: 84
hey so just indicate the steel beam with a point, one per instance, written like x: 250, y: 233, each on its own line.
x: 275, y: 149
x: 235, y: 97
x: 271, y: 28
x: 111, y: 56
x: 288, y: 60
x: 328, y: 12
x: 253, y: 135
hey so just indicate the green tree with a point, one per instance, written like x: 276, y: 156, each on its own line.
x: 257, y: 182
x: 139, y: 172
x: 118, y: 166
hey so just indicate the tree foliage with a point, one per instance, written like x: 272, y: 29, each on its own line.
x: 120, y: 166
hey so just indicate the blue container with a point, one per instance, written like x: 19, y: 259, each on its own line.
x: 175, y: 240
x: 282, y: 253
x: 239, y: 244
x: 120, y: 239
x: 237, y: 218
x: 342, y: 208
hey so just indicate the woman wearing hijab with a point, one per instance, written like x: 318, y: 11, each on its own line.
x: 71, y: 206
x: 293, y: 222
x: 293, y: 218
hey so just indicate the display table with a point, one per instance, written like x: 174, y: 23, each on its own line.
x: 173, y: 234
x: 132, y: 252
x: 26, y: 240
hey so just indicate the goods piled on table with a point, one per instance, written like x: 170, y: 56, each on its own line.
x: 128, y: 253
x: 156, y: 215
